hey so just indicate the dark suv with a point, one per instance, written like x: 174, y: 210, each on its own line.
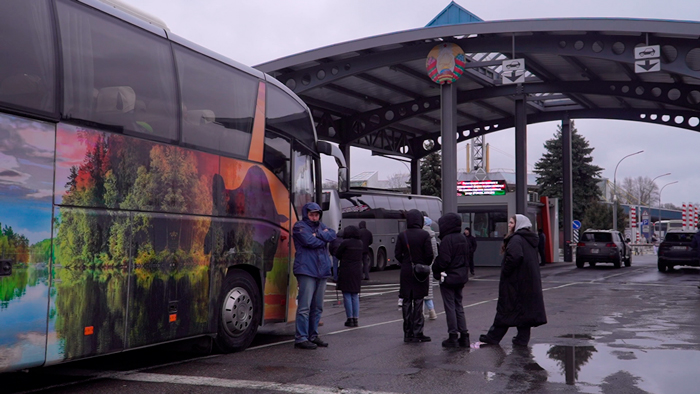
x: 603, y: 246
x: 675, y: 250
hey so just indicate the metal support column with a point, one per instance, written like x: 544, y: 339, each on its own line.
x: 567, y: 202
x: 346, y: 152
x: 520, y: 156
x: 448, y: 111
x: 415, y: 176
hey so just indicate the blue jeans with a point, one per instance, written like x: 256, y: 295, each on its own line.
x: 352, y: 304
x: 309, y: 307
x: 429, y: 304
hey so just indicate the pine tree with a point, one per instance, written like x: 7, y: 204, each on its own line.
x: 431, y: 175
x: 584, y: 174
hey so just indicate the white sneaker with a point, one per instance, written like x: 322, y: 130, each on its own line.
x: 432, y: 315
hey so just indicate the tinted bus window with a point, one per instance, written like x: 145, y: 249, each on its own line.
x: 218, y: 104
x: 422, y: 205
x: 286, y: 115
x: 27, y: 50
x: 277, y: 156
x: 116, y: 74
x: 435, y: 209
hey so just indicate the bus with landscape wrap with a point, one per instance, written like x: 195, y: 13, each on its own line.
x: 148, y: 186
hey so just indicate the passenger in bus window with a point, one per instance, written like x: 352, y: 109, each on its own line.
x: 350, y: 273
x: 312, y: 267
x: 367, y: 240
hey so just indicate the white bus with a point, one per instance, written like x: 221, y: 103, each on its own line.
x: 384, y: 213
x: 663, y: 226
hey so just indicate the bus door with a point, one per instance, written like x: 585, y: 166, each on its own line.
x: 26, y: 179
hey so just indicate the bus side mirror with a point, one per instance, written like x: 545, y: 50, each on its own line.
x: 343, y: 180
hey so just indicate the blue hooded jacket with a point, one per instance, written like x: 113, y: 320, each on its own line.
x: 310, y: 241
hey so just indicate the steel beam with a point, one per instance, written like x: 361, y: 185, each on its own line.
x: 568, y: 187
x: 520, y: 156
x: 448, y: 93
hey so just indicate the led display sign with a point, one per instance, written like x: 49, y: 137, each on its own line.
x: 481, y: 188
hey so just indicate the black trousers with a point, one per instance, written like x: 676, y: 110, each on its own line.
x: 413, y: 319
x: 496, y: 333
x: 454, y: 311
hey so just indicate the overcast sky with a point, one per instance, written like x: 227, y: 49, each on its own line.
x: 254, y: 32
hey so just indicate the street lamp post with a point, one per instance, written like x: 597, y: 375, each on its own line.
x: 615, y: 188
x: 662, y: 189
x: 652, y: 188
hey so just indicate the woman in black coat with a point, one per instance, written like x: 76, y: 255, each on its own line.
x: 520, y: 300
x: 413, y: 247
x: 450, y: 268
x: 350, y: 273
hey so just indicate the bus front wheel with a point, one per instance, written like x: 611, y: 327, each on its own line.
x: 239, y: 312
x: 381, y: 259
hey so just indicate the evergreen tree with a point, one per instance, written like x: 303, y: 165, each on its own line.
x: 584, y: 174
x: 599, y: 216
x: 431, y: 175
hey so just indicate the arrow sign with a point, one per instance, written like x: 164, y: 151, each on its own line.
x: 513, y: 77
x: 576, y: 224
x: 647, y: 66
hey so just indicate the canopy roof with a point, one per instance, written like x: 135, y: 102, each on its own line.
x: 375, y: 92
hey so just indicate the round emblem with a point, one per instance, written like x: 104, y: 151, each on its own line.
x: 445, y: 63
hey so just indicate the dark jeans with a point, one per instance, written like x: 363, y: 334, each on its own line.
x: 413, y: 320
x: 454, y: 311
x: 365, y: 265
x: 496, y: 333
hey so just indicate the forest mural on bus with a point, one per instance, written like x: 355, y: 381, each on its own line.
x: 26, y: 189
x: 135, y: 223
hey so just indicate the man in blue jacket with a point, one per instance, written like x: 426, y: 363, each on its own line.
x: 312, y: 267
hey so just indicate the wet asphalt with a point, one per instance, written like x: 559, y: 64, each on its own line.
x: 627, y: 330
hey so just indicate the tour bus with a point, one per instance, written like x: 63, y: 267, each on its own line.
x: 383, y: 212
x: 662, y: 226
x: 148, y: 186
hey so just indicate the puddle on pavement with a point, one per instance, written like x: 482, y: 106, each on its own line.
x: 639, y: 367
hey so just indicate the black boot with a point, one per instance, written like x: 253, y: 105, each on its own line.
x: 464, y: 339
x: 354, y: 322
x: 348, y: 323
x: 451, y: 341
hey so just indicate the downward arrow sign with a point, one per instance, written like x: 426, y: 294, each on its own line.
x: 648, y: 65
x: 512, y: 77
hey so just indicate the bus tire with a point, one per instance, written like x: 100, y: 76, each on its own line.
x: 239, y: 312
x: 381, y: 259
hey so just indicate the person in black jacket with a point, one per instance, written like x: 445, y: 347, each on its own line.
x: 332, y: 249
x: 471, y: 240
x: 413, y: 247
x: 350, y: 273
x: 540, y: 246
x: 450, y: 268
x: 520, y: 300
x: 367, y: 240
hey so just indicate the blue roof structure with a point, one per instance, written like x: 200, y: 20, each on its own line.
x: 453, y: 14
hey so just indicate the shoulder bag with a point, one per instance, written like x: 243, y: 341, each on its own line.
x: 420, y: 271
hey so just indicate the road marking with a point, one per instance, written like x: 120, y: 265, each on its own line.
x: 241, y: 384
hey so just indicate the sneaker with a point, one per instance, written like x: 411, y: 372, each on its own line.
x: 432, y: 315
x: 305, y: 345
x: 318, y: 342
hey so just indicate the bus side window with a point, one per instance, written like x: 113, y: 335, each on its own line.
x: 116, y: 74
x: 27, y: 73
x: 218, y: 104
x: 276, y: 157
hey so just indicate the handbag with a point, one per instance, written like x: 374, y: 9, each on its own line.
x: 420, y: 271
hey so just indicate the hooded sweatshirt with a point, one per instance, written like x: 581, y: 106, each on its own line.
x: 452, y: 253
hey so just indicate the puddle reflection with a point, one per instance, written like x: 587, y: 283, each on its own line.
x: 607, y: 369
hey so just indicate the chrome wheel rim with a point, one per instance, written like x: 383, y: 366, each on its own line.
x: 237, y: 311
